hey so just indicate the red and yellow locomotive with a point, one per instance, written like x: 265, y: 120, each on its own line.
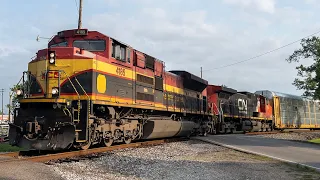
x: 87, y: 88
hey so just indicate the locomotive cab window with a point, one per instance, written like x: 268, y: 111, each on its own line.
x: 120, y: 52
x: 128, y: 55
x: 90, y: 45
x: 61, y: 44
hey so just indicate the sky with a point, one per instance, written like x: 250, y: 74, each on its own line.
x: 185, y: 34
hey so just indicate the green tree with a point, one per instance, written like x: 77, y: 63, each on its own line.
x: 309, y: 80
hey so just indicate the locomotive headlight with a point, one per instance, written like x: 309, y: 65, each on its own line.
x: 52, y: 55
x: 51, y: 61
x: 55, y: 91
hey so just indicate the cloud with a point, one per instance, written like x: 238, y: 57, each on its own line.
x: 34, y: 30
x: 288, y: 15
x: 189, y: 40
x: 267, y: 6
x: 311, y: 2
x: 184, y: 34
x: 112, y: 3
x: 7, y: 50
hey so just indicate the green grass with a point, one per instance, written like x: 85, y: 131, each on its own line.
x: 4, y: 147
x: 317, y: 141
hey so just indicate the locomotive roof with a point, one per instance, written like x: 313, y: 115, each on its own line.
x: 270, y: 94
x: 224, y: 89
x: 245, y: 92
x: 191, y: 81
x: 189, y: 75
x: 85, y: 32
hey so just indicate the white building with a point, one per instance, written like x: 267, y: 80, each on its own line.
x: 5, y: 119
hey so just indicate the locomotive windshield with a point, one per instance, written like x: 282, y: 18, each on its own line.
x: 61, y: 44
x: 90, y: 45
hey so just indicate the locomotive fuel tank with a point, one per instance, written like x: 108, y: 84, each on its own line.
x: 186, y: 128
x: 161, y: 128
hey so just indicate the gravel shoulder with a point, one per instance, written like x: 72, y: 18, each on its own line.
x: 181, y: 160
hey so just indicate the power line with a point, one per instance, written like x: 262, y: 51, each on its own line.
x: 268, y: 52
x: 76, y: 5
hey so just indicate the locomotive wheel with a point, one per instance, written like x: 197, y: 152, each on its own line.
x: 107, y: 142
x: 85, y: 145
x: 205, y: 134
x: 127, y: 140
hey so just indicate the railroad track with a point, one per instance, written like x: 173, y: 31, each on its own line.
x: 260, y: 133
x: 279, y: 131
x: 36, y: 157
x: 18, y: 156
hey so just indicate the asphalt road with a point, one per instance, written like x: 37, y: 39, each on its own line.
x: 290, y: 151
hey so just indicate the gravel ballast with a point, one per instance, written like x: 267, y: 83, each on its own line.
x: 180, y: 160
x: 297, y: 136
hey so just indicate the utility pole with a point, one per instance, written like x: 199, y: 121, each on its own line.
x: 80, y: 15
x: 2, y: 90
x: 201, y: 71
x: 10, y: 103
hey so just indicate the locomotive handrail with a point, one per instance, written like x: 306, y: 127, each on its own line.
x: 82, y: 88
x: 217, y: 108
x: 26, y: 91
x: 75, y: 87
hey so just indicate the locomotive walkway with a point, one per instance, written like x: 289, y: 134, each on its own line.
x: 284, y: 150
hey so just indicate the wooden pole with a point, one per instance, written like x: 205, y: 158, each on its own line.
x: 2, y: 90
x: 10, y: 103
x: 80, y: 15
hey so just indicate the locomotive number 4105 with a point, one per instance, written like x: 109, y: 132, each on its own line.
x: 121, y: 71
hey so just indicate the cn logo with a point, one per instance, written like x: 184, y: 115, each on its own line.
x: 242, y: 106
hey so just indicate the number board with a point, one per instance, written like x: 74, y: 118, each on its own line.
x: 81, y: 32
x: 121, y: 71
x: 60, y: 34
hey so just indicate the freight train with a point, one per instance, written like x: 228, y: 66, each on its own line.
x: 87, y: 88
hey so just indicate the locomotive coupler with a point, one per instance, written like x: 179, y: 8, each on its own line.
x: 34, y: 127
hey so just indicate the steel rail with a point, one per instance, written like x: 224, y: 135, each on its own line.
x: 48, y: 157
